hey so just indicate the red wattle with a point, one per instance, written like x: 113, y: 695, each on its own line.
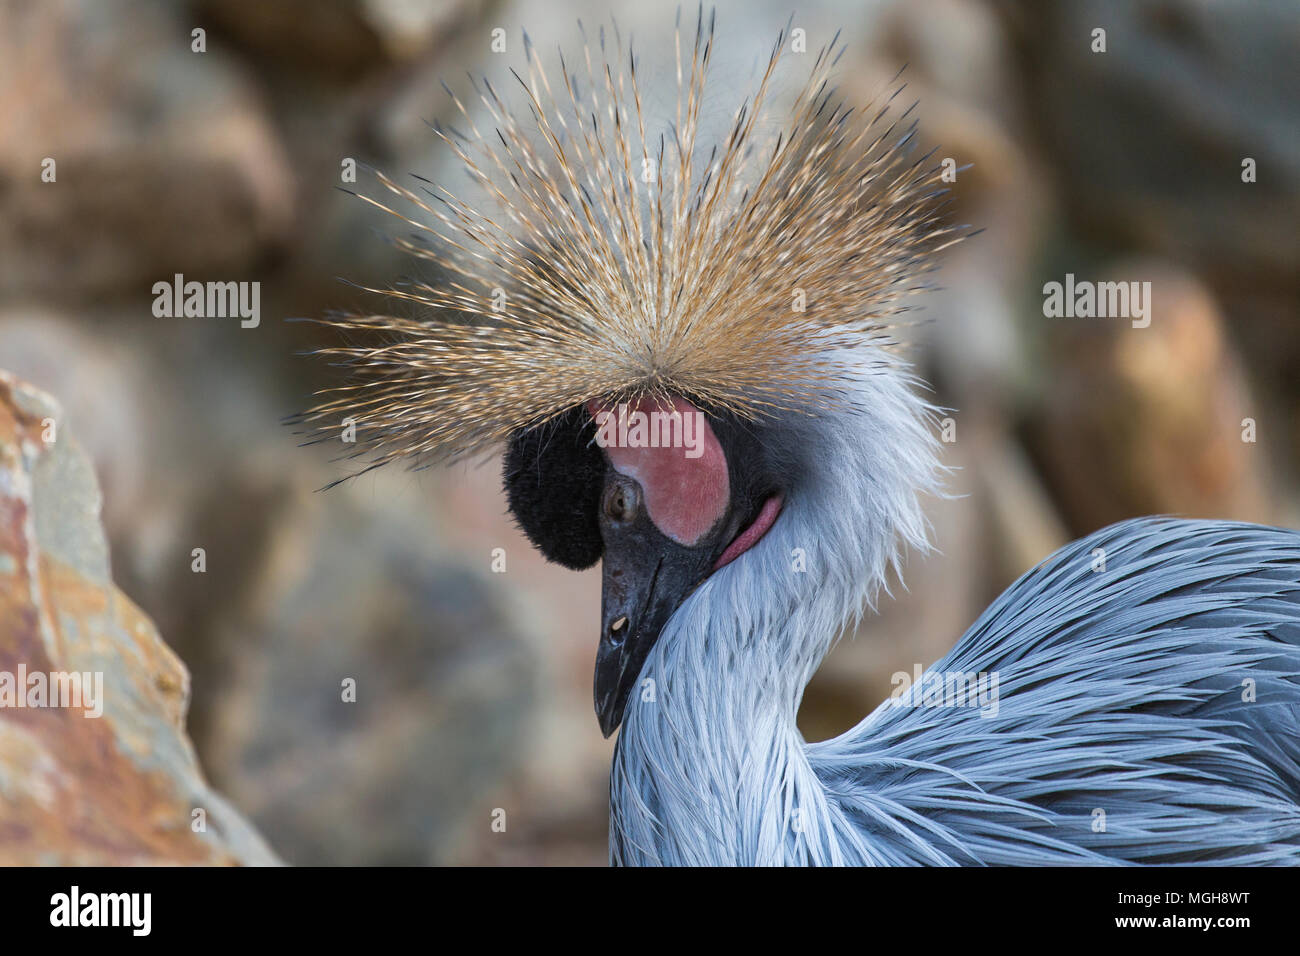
x: 749, y: 537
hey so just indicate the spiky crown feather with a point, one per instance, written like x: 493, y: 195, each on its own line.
x: 594, y: 280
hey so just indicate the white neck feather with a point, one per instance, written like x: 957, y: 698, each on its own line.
x: 710, y: 765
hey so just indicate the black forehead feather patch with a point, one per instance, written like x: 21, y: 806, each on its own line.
x: 554, y: 474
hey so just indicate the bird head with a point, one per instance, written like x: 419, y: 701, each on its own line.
x: 663, y: 494
x: 720, y: 291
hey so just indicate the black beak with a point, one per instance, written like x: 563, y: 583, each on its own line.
x: 647, y: 576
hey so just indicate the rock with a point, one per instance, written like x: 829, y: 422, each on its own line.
x: 1144, y: 146
x: 1022, y: 523
x: 360, y: 587
x: 123, y: 787
x: 1139, y: 421
x: 302, y: 589
x: 164, y: 159
x: 339, y: 39
x: 1147, y: 139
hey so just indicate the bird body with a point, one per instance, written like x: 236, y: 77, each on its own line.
x: 1137, y: 696
x: 1148, y: 713
x: 1148, y: 678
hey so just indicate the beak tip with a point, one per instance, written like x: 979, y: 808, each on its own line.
x: 608, y: 716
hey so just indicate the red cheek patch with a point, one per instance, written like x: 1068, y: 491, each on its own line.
x: 670, y: 450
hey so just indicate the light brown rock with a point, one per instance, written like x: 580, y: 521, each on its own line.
x: 121, y: 788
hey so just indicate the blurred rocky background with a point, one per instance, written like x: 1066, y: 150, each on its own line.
x: 472, y: 688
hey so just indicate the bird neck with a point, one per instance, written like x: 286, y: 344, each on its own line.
x: 710, y: 766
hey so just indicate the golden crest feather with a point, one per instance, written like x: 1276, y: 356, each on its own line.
x: 620, y: 265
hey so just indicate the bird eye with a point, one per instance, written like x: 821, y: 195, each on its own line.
x: 622, y: 501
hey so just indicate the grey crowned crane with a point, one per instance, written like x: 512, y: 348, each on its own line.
x: 685, y: 348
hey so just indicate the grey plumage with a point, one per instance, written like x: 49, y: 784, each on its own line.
x: 1126, y: 690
